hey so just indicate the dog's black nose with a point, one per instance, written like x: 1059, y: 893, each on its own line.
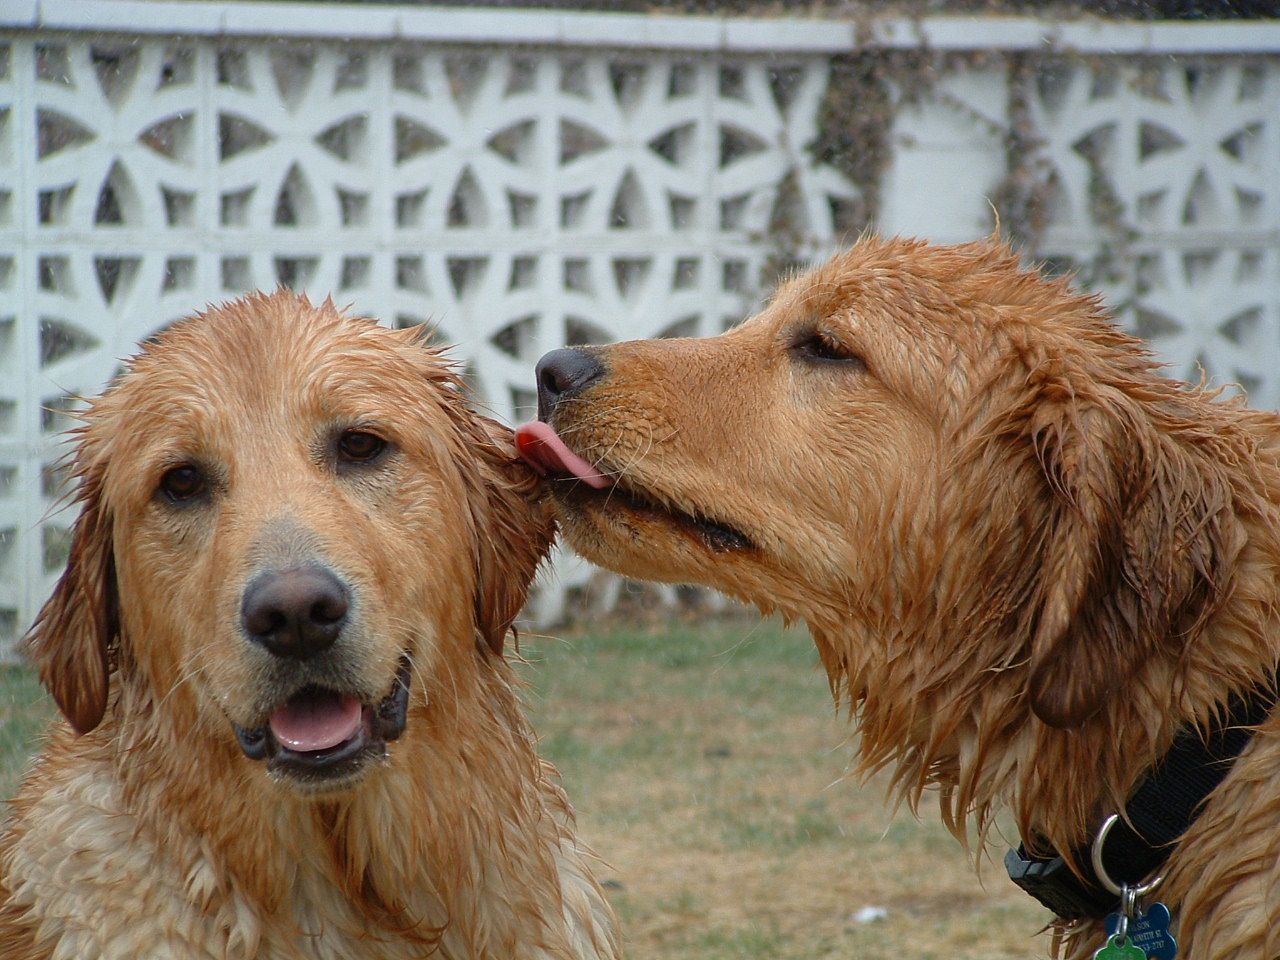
x: 564, y: 372
x: 295, y: 613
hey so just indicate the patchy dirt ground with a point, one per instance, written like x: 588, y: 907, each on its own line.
x: 707, y: 768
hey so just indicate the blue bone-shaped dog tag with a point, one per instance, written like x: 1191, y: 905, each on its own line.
x: 1149, y: 932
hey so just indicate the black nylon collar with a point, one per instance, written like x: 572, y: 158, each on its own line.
x: 1156, y: 817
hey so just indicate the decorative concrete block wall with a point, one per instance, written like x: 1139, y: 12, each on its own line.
x: 527, y: 179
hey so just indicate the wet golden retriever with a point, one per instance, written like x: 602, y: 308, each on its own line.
x: 1028, y: 561
x: 290, y: 729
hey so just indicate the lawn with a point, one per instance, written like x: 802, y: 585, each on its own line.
x: 706, y: 764
x: 707, y: 768
x: 24, y: 710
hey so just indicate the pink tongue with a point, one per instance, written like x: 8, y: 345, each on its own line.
x: 316, y: 722
x: 543, y: 450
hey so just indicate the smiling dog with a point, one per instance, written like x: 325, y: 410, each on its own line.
x: 291, y: 731
x: 1041, y: 574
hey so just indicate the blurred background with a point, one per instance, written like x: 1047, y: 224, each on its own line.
x: 528, y: 176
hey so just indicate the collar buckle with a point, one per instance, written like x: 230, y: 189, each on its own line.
x: 1052, y: 881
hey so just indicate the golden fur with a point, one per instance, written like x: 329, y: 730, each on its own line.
x: 1027, y: 559
x: 144, y: 829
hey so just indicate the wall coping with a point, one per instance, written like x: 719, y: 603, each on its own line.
x: 791, y: 34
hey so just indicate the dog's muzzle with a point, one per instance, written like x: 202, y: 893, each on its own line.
x: 322, y: 735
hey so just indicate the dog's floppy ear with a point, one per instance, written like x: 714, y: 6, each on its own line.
x: 1134, y: 542
x: 72, y: 637
x: 512, y: 524
x: 513, y: 530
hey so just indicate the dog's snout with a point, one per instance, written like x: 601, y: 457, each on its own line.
x: 295, y: 613
x: 562, y: 372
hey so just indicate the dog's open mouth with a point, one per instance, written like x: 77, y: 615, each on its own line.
x: 586, y: 486
x: 322, y: 736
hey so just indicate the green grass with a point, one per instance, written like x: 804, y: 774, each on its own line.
x: 707, y: 768
x: 24, y: 710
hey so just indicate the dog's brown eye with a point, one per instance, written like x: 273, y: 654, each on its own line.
x: 818, y: 347
x: 182, y: 483
x: 357, y: 446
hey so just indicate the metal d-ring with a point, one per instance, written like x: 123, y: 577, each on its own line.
x: 1133, y: 894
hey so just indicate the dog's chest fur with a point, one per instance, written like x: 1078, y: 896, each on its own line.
x: 104, y: 885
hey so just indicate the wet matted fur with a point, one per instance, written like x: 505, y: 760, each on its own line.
x: 291, y: 731
x: 1027, y: 559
